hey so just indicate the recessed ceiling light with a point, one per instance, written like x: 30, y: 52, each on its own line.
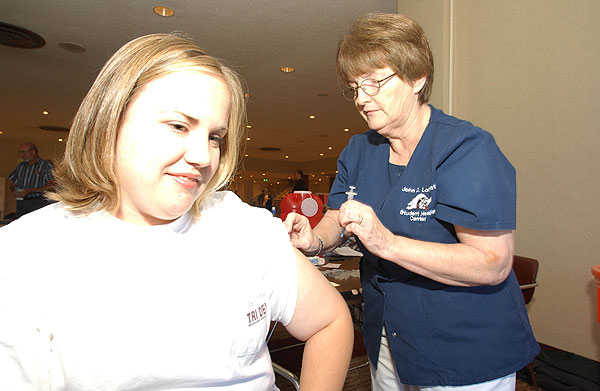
x: 1, y: 132
x: 330, y: 148
x: 72, y: 47
x: 247, y: 138
x: 345, y: 130
x: 287, y: 69
x: 161, y: 10
x: 312, y: 117
x: 320, y: 154
x: 60, y: 140
x: 45, y: 112
x: 248, y: 126
x: 286, y: 156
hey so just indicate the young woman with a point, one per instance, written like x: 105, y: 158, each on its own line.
x: 151, y: 278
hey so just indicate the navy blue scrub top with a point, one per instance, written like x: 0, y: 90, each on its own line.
x: 439, y: 334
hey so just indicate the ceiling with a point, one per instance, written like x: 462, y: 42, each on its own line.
x: 256, y: 37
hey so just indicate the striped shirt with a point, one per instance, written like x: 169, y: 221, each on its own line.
x: 27, y: 176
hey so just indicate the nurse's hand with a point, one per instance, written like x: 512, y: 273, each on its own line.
x: 360, y: 220
x: 301, y: 234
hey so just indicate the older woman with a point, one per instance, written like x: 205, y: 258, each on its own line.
x: 139, y: 287
x: 433, y: 214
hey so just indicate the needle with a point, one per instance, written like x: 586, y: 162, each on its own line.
x: 350, y: 196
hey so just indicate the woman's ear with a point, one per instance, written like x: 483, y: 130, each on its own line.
x: 418, y: 84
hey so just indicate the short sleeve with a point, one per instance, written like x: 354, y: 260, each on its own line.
x: 282, y: 274
x: 259, y: 250
x: 337, y: 194
x: 13, y: 175
x: 48, y: 172
x: 476, y: 184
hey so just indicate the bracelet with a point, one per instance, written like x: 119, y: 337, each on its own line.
x: 320, y: 250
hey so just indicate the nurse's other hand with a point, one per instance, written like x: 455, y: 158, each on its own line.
x: 301, y: 234
x: 359, y: 219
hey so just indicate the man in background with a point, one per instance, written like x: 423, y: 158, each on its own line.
x: 30, y: 179
x: 299, y: 185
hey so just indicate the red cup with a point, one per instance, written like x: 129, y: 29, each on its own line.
x: 304, y: 203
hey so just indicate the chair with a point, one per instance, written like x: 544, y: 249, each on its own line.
x: 279, y: 369
x: 526, y: 270
x: 287, y: 374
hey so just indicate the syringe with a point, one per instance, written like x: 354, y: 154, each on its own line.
x: 349, y: 196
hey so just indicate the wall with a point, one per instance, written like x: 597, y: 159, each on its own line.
x: 528, y: 72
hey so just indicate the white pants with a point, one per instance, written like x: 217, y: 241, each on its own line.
x: 385, y: 377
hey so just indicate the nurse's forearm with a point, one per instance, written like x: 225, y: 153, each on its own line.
x: 479, y: 259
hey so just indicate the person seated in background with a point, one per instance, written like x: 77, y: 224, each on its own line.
x: 30, y: 179
x: 140, y: 287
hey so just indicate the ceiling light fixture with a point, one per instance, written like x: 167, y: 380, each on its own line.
x: 72, y: 47
x: 161, y: 10
x: 346, y: 129
x: 287, y: 69
x: 19, y: 37
x: 45, y: 112
x: 312, y: 117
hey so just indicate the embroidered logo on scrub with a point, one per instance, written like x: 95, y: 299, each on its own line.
x: 420, y: 201
x: 418, y: 207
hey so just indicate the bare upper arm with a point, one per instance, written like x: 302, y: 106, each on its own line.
x: 318, y: 303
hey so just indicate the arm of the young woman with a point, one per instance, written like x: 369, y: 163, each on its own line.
x: 322, y: 320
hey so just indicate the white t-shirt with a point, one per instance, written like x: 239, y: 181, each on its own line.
x: 95, y: 303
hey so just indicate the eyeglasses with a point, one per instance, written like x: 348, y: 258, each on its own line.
x: 369, y: 86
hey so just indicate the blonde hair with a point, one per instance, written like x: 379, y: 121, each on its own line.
x: 386, y: 40
x: 86, y: 178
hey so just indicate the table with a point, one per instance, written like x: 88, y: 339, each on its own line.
x: 348, y: 286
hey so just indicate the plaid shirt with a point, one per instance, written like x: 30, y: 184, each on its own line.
x: 27, y: 176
